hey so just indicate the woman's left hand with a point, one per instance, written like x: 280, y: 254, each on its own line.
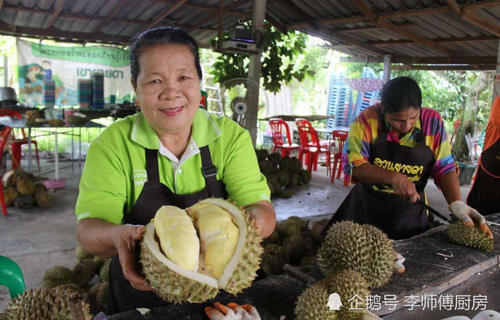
x: 263, y: 216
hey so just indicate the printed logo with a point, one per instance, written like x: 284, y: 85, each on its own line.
x: 334, y: 302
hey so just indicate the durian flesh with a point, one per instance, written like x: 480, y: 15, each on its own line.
x: 227, y: 258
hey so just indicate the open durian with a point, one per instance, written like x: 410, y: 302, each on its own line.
x: 188, y: 255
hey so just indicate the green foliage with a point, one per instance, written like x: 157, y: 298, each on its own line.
x: 279, y: 54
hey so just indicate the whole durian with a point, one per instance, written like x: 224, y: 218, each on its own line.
x: 104, y: 271
x: 211, y: 245
x: 273, y: 259
x: 56, y: 276
x: 289, y: 227
x: 43, y: 199
x: 44, y: 304
x: 81, y: 254
x: 83, y: 272
x: 98, y: 297
x: 469, y: 236
x: 25, y: 186
x: 353, y: 291
x: 9, y: 195
x: 363, y: 248
x: 312, y: 304
x: 295, y: 247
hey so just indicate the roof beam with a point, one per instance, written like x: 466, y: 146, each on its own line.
x: 467, y: 13
x: 399, y: 14
x: 337, y: 37
x: 110, y: 16
x: 62, y: 35
x: 55, y: 14
x: 440, y: 40
x: 384, y: 23
x: 448, y: 67
x: 214, y: 14
x: 480, y: 60
x: 162, y: 16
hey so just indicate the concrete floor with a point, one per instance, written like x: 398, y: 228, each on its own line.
x: 38, y: 239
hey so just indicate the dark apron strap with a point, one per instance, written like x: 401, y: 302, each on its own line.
x: 152, y: 165
x: 209, y: 172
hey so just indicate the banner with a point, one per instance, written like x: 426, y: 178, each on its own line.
x: 65, y: 66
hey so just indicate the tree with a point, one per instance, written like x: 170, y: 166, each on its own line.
x: 279, y: 55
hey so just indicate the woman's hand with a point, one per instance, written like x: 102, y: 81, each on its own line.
x: 125, y: 240
x: 263, y: 216
x: 403, y: 187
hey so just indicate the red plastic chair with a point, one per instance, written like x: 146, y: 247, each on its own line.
x: 280, y: 131
x: 4, y: 137
x: 18, y: 142
x: 339, y: 138
x: 310, y: 145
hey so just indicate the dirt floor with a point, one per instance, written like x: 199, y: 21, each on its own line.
x: 38, y: 239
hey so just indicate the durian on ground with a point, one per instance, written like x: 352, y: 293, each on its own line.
x: 189, y: 255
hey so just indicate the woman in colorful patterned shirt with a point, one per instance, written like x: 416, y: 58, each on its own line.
x: 391, y: 151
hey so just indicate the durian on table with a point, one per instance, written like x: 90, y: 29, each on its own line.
x: 189, y: 255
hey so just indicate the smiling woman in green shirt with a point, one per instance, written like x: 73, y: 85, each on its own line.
x: 172, y: 152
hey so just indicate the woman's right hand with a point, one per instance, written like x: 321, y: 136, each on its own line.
x: 403, y: 187
x: 125, y: 240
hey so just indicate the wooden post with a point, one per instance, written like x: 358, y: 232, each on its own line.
x: 387, y: 68
x: 255, y: 67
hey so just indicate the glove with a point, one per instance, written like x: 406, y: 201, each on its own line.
x: 468, y: 216
x: 232, y: 311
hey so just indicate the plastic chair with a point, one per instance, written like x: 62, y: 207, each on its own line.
x: 280, y: 131
x: 18, y: 142
x: 11, y: 276
x: 310, y: 145
x: 339, y: 138
x: 4, y: 137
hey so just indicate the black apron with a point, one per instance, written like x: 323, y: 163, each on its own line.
x: 154, y: 195
x: 368, y: 203
x: 484, y: 195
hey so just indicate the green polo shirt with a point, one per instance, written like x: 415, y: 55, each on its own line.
x: 115, y: 168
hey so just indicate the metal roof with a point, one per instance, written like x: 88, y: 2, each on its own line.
x: 411, y: 31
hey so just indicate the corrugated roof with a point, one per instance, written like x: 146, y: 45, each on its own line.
x: 439, y: 30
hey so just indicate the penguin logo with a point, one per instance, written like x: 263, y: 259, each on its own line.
x: 334, y: 302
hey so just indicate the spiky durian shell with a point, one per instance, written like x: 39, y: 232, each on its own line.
x: 351, y: 286
x: 469, y: 236
x: 98, y: 297
x: 56, y: 276
x: 104, y: 271
x: 174, y: 287
x: 312, y: 304
x: 83, y: 272
x: 363, y: 248
x: 44, y: 304
x: 295, y: 247
x: 289, y: 227
x: 81, y: 254
x: 273, y: 259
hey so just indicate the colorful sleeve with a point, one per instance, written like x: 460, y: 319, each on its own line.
x: 358, y: 145
x: 437, y: 139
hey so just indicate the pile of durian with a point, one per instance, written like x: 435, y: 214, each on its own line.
x: 87, y: 280
x: 281, y: 173
x: 353, y: 258
x: 294, y: 243
x: 189, y: 255
x: 21, y: 190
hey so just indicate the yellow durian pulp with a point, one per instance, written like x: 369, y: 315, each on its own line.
x: 177, y: 236
x: 218, y: 236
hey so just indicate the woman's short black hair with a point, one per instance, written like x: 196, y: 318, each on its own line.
x: 157, y: 37
x: 401, y: 93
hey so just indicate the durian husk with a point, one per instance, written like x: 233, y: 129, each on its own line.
x: 81, y: 254
x: 352, y: 288
x: 56, y: 276
x: 50, y: 304
x: 25, y: 186
x: 104, y: 271
x: 98, y: 294
x: 312, y: 304
x: 273, y: 259
x: 469, y: 236
x: 83, y: 272
x: 362, y: 248
x: 9, y: 179
x: 43, y: 199
x: 171, y: 286
x: 9, y: 195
